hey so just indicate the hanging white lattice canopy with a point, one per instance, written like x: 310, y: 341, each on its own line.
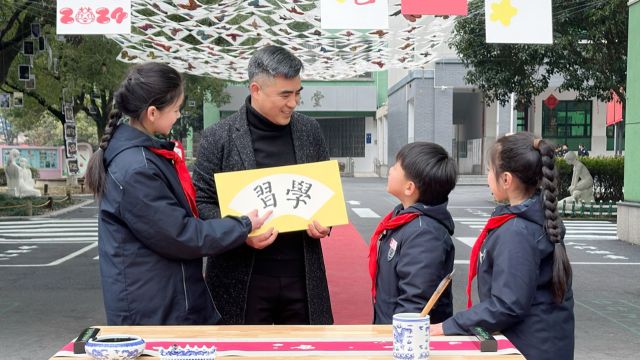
x: 217, y: 38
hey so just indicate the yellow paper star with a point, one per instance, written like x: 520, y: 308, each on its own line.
x: 503, y: 12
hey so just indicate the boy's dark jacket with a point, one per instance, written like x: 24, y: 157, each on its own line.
x: 150, y: 245
x: 514, y: 287
x: 423, y: 256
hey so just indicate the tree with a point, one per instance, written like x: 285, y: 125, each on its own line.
x: 198, y: 90
x: 589, y: 52
x: 16, y: 17
x: 78, y: 69
x: 6, y: 130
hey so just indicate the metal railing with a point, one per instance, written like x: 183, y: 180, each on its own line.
x: 590, y: 209
x: 29, y: 206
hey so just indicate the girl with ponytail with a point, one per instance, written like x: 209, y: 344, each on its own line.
x: 150, y: 239
x: 524, y: 274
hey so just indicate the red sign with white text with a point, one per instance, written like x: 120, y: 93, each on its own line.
x: 434, y: 7
x: 93, y: 17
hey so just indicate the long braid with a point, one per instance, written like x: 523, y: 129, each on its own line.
x: 96, y: 172
x: 561, y: 266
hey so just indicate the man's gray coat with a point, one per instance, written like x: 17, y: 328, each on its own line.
x: 226, y: 146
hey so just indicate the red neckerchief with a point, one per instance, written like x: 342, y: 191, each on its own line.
x: 387, y: 223
x: 183, y: 173
x: 493, y: 223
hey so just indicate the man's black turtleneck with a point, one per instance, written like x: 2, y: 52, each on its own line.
x: 272, y: 143
x: 273, y: 146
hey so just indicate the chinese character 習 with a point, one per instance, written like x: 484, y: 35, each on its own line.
x: 300, y: 191
x: 265, y: 194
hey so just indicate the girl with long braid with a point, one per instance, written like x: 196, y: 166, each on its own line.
x: 150, y: 240
x: 524, y: 274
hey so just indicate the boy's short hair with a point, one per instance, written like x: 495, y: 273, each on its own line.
x: 431, y: 169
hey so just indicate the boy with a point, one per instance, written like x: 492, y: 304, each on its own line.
x: 411, y: 251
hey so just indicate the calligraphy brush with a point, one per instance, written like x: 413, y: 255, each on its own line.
x: 436, y: 294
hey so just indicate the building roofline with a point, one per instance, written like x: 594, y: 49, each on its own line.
x: 413, y: 74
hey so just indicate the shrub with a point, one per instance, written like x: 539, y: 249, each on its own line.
x: 607, y: 173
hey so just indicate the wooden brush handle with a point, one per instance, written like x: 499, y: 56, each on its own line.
x: 436, y: 295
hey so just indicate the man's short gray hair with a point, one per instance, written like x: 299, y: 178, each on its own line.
x: 274, y: 61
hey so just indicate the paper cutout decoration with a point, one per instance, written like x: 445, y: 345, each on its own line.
x: 614, y: 110
x: 551, y: 102
x: 434, y: 7
x: 518, y: 21
x: 297, y: 194
x: 218, y: 38
x: 354, y: 14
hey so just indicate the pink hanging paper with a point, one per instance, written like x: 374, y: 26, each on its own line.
x: 434, y: 7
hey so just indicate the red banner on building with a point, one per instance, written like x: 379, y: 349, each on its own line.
x: 614, y: 110
x: 434, y: 7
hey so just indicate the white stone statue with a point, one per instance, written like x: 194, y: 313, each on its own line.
x: 12, y: 172
x: 19, y: 179
x: 581, y: 188
x: 26, y: 186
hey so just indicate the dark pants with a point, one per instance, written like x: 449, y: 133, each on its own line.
x: 276, y: 300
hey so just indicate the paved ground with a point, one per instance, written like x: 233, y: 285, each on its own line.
x: 49, y: 278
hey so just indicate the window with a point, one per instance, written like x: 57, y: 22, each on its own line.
x: 462, y: 149
x: 522, y: 120
x: 568, y: 123
x: 345, y: 137
x: 611, y: 138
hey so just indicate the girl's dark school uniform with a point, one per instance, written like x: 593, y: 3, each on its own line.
x: 412, y: 260
x: 514, y: 286
x: 150, y: 244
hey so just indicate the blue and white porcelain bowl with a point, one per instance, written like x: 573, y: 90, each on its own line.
x: 115, y: 347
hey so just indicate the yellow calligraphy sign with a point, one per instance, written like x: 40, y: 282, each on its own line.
x: 297, y: 195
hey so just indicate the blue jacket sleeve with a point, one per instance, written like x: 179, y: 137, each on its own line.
x: 515, y: 260
x: 420, y: 266
x: 157, y: 219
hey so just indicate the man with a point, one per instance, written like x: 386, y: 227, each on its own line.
x: 582, y: 151
x: 284, y: 283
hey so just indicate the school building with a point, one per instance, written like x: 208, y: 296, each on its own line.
x: 365, y: 121
x: 345, y: 110
x: 437, y: 105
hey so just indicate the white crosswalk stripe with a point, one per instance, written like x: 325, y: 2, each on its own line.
x: 582, y: 230
x: 49, y: 231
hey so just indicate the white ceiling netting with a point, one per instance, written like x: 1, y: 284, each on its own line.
x: 217, y: 38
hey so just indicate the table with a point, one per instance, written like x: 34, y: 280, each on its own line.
x: 370, y: 341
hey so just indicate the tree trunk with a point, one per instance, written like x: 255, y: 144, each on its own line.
x: 9, y: 49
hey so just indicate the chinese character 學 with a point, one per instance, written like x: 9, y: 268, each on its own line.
x: 299, y: 191
x: 317, y: 96
x: 266, y: 195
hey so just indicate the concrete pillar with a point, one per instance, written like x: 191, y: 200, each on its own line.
x: 443, y: 120
x: 629, y: 209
